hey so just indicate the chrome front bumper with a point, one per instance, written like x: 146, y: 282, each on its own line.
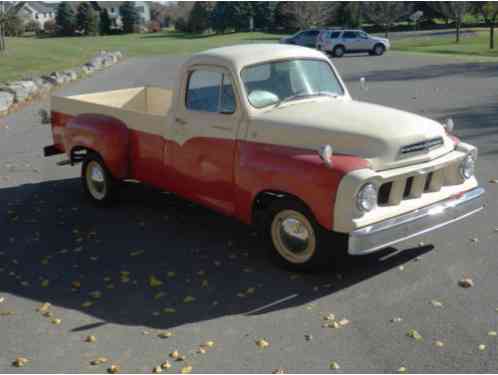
x: 400, y: 228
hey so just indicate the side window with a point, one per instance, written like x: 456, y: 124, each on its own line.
x: 203, y: 91
x: 334, y: 34
x: 349, y: 35
x: 363, y: 35
x: 227, y: 96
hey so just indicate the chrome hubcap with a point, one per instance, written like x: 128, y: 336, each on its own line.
x: 293, y: 236
x: 95, y: 180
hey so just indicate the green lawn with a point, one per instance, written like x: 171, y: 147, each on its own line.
x: 469, y: 45
x: 32, y: 56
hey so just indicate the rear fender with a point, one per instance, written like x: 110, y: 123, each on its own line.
x: 105, y: 135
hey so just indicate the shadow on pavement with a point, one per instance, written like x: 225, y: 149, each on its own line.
x: 58, y: 248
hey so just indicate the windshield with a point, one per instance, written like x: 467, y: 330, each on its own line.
x: 289, y: 80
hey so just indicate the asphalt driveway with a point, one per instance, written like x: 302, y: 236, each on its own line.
x: 95, y: 266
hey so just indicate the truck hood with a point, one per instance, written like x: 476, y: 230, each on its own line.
x: 386, y: 137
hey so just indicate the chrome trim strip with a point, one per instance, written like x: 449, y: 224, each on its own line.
x: 423, y: 220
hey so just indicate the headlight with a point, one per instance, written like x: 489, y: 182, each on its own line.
x: 467, y: 166
x: 366, y: 199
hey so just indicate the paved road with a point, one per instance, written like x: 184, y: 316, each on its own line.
x: 49, y: 233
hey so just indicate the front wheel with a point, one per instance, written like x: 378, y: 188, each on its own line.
x: 297, y: 241
x: 338, y: 51
x: 379, y: 50
x: 98, y: 184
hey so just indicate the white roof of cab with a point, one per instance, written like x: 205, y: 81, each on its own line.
x: 238, y: 56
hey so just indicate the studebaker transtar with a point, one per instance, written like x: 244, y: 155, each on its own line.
x: 270, y: 135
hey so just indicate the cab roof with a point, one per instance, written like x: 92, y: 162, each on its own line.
x: 239, y: 56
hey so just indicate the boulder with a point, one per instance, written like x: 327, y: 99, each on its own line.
x: 87, y: 69
x: 55, y: 78
x: 44, y: 86
x: 22, y: 90
x: 6, y: 101
x: 71, y: 75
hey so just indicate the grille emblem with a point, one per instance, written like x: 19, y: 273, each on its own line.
x: 422, y: 146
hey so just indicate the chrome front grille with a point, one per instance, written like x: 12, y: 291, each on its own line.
x: 411, y: 187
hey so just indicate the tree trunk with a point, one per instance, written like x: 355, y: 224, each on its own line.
x: 458, y: 31
x: 492, y: 36
x: 2, y: 36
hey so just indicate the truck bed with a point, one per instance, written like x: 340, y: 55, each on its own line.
x: 140, y: 108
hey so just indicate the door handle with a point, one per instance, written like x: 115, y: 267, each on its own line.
x: 181, y: 121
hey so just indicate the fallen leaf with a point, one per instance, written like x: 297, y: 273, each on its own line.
x: 493, y: 181
x: 154, y: 282
x: 439, y: 343
x: 344, y: 322
x: 330, y: 317
x: 6, y: 313
x: 96, y: 294
x: 262, y: 343
x: 334, y: 365
x: 204, y: 284
x: 401, y: 268
x: 492, y: 333
x: 209, y: 343
x: 166, y: 365
x: 48, y: 314
x: 136, y: 253
x: 466, y: 283
x: 402, y: 369
x: 56, y: 321
x: 482, y: 347
x: 396, y: 319
x: 2, y: 299
x: 165, y: 335
x: 189, y: 299
x: 186, y: 370
x: 436, y: 303
x: 87, y: 304
x: 44, y: 283
x: 201, y: 350
x: 20, y: 362
x: 43, y: 307
x: 159, y: 295
x: 169, y: 310
x: 414, y: 334
x: 98, y: 361
x: 174, y: 354
x: 113, y: 369
x: 308, y: 337
x: 157, y: 370
x: 76, y: 284
x: 171, y: 274
x: 90, y: 338
x: 279, y: 371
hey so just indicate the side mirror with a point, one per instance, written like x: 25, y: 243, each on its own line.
x: 261, y: 98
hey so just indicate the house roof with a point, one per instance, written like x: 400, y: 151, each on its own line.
x: 41, y: 7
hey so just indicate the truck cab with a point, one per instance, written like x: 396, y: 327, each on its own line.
x: 269, y: 135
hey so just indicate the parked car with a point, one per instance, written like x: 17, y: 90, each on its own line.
x: 339, y: 42
x: 306, y: 38
x: 269, y: 134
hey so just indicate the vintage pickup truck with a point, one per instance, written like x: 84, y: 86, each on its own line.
x: 269, y: 134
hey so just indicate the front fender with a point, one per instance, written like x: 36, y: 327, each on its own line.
x: 295, y: 171
x: 105, y: 135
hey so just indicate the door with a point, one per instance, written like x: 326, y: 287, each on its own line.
x: 351, y: 41
x: 204, y: 135
x: 364, y: 42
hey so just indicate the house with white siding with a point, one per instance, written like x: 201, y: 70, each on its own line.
x: 38, y: 11
x: 113, y: 9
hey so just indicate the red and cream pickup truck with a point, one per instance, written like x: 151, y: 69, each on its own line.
x: 269, y: 134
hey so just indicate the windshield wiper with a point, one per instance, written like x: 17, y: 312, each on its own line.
x: 301, y: 94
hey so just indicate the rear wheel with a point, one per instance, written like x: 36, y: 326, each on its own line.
x: 297, y: 241
x: 339, y: 51
x: 98, y: 184
x: 379, y: 50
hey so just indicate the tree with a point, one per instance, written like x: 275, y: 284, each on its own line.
x: 348, y: 14
x: 454, y: 10
x: 104, y: 22
x: 309, y: 14
x: 8, y: 14
x: 263, y: 14
x: 489, y: 11
x: 198, y: 20
x: 217, y: 19
x: 385, y: 13
x: 129, y: 16
x: 86, y: 19
x: 282, y: 20
x: 65, y: 19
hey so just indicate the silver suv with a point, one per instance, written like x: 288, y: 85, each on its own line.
x: 339, y: 42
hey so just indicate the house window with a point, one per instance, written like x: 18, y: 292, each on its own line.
x: 112, y: 10
x: 141, y: 9
x: 36, y: 15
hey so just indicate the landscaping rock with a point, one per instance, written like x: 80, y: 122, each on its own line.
x: 22, y: 90
x: 44, y: 86
x: 87, y: 69
x: 6, y: 101
x: 55, y: 78
x: 71, y: 75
